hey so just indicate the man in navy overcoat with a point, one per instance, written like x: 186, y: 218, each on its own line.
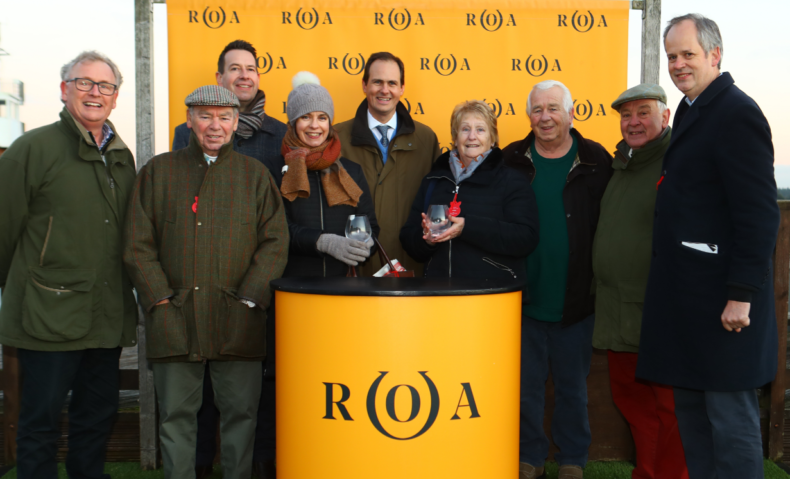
x: 709, y: 326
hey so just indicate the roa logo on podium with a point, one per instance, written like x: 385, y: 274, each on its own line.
x: 338, y: 404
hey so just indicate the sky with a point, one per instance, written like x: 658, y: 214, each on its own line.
x: 42, y: 35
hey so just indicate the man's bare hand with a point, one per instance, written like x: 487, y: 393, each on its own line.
x: 164, y: 301
x: 735, y: 316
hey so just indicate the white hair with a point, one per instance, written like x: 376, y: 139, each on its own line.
x: 567, y: 100
x: 662, y: 107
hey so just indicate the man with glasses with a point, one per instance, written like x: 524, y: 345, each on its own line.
x: 258, y: 136
x: 67, y: 301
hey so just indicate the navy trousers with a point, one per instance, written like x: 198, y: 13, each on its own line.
x: 720, y: 432
x: 568, y: 351
x: 92, y: 376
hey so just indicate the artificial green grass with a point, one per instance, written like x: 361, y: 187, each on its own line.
x: 594, y: 470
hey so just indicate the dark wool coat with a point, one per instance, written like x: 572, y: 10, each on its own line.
x: 581, y: 196
x: 308, y: 218
x: 61, y: 231
x: 264, y: 144
x: 500, y: 229
x: 231, y: 249
x: 393, y: 184
x: 718, y: 187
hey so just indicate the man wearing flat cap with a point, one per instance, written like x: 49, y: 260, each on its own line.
x: 621, y: 262
x: 205, y: 234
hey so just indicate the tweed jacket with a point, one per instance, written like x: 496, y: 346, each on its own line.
x: 264, y: 144
x: 393, y: 184
x: 61, y: 232
x: 205, y: 237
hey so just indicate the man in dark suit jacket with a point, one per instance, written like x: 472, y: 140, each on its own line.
x: 709, y: 323
x: 258, y: 136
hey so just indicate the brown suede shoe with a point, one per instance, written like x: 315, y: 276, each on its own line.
x: 570, y: 472
x: 528, y: 471
x: 202, y: 472
x: 264, y: 469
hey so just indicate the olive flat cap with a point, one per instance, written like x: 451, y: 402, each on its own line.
x: 645, y: 91
x: 212, y: 95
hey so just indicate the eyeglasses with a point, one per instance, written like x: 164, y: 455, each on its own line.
x: 83, y: 84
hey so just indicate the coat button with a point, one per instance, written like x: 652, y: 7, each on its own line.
x: 196, y: 288
x: 200, y: 224
x: 409, y: 144
x: 568, y: 215
x: 106, y: 221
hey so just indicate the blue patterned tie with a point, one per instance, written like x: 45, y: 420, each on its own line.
x: 383, y: 130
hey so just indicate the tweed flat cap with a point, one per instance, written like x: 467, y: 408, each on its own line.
x: 212, y: 95
x: 645, y: 91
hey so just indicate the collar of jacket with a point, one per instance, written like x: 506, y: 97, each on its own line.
x: 196, y: 151
x: 484, y: 174
x: 75, y: 128
x: 687, y: 115
x: 582, y: 151
x: 268, y: 125
x: 643, y: 156
x: 361, y: 134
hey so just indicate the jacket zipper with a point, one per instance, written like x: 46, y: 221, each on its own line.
x: 46, y: 242
x: 321, y: 207
x: 107, y: 173
x: 499, y: 266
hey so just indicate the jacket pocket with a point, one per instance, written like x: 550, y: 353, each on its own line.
x: 632, y: 297
x: 166, y: 328
x: 57, y: 304
x: 243, y: 328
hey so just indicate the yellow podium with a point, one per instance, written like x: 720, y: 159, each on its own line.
x: 391, y: 378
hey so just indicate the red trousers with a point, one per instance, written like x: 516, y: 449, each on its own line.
x: 649, y: 409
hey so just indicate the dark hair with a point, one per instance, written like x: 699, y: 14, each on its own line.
x: 235, y: 45
x: 387, y: 57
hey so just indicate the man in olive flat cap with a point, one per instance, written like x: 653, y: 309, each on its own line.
x: 621, y: 262
x: 205, y: 234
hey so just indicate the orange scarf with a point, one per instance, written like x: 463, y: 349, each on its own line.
x: 339, y: 187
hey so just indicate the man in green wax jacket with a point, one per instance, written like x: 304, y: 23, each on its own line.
x: 205, y: 234
x: 67, y: 302
x: 621, y: 262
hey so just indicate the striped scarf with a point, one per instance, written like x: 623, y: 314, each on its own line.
x: 252, y: 120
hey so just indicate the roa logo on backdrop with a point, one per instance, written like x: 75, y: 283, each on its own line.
x: 265, y: 64
x: 416, y: 400
x: 398, y: 20
x: 497, y: 107
x: 536, y: 65
x: 445, y: 65
x: 353, y: 64
x: 418, y: 109
x: 213, y: 18
x: 583, y: 110
x: 491, y: 21
x: 582, y: 22
x: 307, y: 19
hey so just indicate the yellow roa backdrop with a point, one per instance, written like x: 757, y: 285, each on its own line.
x: 453, y: 50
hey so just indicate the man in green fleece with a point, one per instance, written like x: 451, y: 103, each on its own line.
x: 621, y: 262
x: 67, y: 302
x: 569, y: 174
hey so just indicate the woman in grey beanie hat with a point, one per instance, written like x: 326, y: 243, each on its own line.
x: 321, y: 189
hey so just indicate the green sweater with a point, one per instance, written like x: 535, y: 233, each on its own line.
x: 61, y: 225
x: 623, y: 244
x: 547, y: 266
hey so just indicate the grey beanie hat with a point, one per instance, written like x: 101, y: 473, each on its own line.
x: 308, y: 96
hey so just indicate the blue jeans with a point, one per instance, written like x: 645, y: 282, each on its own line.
x: 568, y: 351
x: 92, y: 375
x: 720, y: 433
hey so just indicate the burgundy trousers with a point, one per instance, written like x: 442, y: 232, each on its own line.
x: 649, y: 409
